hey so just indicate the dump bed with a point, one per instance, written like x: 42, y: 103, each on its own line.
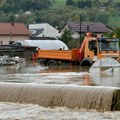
x: 59, y: 54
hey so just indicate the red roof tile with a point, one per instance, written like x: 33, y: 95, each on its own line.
x: 14, y: 29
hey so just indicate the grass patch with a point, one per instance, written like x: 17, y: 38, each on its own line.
x: 62, y: 3
x: 107, y: 0
x: 115, y: 21
x: 58, y: 3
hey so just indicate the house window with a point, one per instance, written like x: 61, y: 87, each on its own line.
x: 1, y: 42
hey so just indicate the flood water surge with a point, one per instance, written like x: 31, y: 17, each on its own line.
x: 71, y: 96
x: 71, y: 87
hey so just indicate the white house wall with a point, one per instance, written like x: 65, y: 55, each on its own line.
x: 65, y: 28
x: 49, y: 31
x: 5, y: 39
x: 75, y: 35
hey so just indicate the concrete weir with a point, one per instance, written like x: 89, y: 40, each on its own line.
x: 71, y: 96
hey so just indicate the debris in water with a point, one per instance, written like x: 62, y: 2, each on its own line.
x: 6, y: 60
x: 104, y: 70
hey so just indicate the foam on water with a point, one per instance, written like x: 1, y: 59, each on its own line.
x: 15, y: 111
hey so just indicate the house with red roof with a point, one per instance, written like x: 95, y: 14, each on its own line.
x: 94, y: 27
x: 11, y: 32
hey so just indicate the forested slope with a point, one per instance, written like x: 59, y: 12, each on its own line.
x: 57, y: 12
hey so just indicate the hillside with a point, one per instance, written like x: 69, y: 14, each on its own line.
x: 57, y: 12
x: 112, y: 21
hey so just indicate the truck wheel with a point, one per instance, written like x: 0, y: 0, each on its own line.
x: 41, y: 61
x: 52, y: 63
x: 86, y: 62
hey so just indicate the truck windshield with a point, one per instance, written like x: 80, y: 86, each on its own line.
x: 108, y: 46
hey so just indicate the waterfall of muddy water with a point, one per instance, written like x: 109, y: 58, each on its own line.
x: 71, y: 96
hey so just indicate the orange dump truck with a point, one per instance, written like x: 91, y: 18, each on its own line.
x: 55, y: 57
x: 92, y: 49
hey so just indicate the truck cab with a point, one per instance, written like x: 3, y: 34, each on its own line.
x: 108, y: 47
x: 96, y: 48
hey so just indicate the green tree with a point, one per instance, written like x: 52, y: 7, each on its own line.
x: 3, y: 17
x: 11, y: 18
x: 91, y: 14
x: 74, y: 43
x: 117, y: 33
x: 117, y: 4
x: 66, y: 37
x: 70, y: 2
x: 102, y: 17
x: 84, y: 3
x: 96, y: 3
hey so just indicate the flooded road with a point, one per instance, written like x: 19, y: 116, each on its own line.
x: 33, y: 73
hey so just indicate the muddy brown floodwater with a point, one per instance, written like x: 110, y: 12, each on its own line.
x: 33, y: 73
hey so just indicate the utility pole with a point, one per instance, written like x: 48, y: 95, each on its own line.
x: 80, y: 30
x: 11, y: 36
